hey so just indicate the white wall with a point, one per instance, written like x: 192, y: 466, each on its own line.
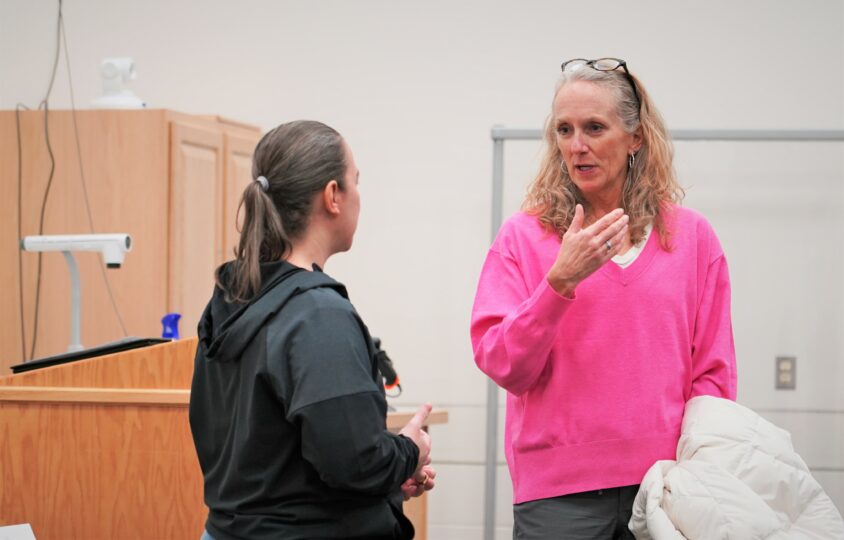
x: 415, y: 88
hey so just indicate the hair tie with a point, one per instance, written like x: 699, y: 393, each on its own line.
x: 265, y: 185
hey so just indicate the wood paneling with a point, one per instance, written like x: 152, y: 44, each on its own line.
x: 113, y: 396
x: 99, y: 471
x: 239, y: 146
x: 416, y: 510
x: 196, y: 215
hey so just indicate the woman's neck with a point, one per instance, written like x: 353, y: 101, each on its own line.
x: 600, y: 204
x: 597, y: 210
x: 308, y: 251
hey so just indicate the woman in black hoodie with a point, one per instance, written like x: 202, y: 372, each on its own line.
x: 287, y: 407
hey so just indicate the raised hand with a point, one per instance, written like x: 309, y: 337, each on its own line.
x: 585, y: 250
x: 413, y: 430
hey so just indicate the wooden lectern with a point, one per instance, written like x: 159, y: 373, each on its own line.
x: 101, y: 448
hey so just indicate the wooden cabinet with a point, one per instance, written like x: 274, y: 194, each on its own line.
x: 196, y: 218
x: 172, y: 181
x: 237, y: 152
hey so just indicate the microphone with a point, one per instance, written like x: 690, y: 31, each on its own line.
x: 385, y: 366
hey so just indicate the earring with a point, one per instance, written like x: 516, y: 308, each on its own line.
x: 631, y: 161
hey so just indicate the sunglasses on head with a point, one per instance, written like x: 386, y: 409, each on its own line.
x: 602, y: 64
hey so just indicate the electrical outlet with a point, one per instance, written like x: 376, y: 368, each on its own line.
x: 786, y: 372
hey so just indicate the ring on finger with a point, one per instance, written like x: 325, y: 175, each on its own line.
x: 609, y: 245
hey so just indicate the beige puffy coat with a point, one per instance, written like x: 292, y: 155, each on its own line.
x: 737, y: 476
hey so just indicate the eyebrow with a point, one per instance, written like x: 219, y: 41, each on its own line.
x: 594, y: 118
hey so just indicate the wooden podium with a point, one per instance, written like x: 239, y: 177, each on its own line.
x: 102, y: 449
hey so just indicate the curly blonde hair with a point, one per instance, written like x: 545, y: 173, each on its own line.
x: 651, y: 186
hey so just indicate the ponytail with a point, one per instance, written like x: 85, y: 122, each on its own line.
x: 262, y: 238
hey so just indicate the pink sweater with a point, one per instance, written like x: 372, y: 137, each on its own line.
x: 596, y: 385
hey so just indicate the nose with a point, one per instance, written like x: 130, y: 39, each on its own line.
x: 577, y: 145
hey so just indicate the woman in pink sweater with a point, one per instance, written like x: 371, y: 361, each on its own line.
x: 602, y: 308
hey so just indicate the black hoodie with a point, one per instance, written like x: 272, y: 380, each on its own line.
x: 288, y: 416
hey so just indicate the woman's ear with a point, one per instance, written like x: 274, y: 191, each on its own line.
x: 329, y: 197
x: 638, y: 138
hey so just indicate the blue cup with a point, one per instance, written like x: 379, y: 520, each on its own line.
x: 170, y: 323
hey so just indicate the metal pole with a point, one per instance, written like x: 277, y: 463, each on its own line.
x: 75, y: 303
x: 492, y: 388
x: 783, y: 135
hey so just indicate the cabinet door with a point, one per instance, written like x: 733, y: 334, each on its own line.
x: 196, y: 218
x: 238, y: 154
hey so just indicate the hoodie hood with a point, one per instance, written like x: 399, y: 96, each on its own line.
x: 226, y: 328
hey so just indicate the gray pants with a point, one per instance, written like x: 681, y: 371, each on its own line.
x: 591, y: 515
